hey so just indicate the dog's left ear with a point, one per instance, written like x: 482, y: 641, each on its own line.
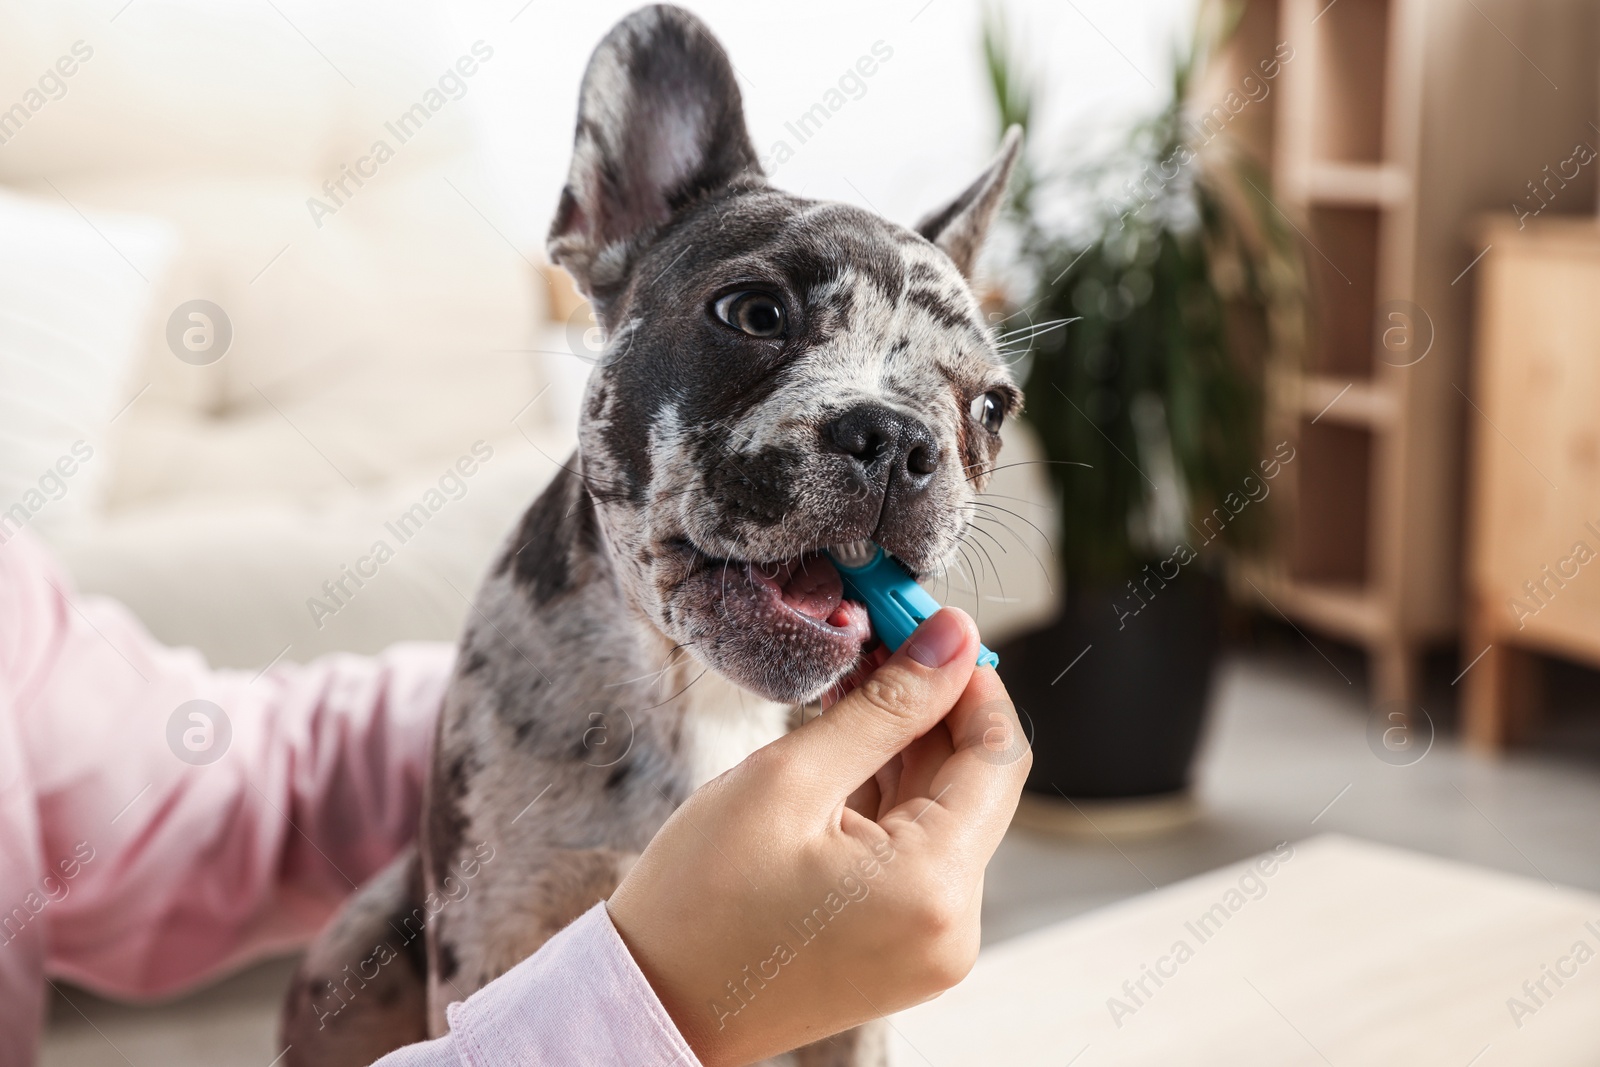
x: 961, y: 225
x: 660, y: 124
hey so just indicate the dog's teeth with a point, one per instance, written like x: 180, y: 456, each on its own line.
x: 853, y: 553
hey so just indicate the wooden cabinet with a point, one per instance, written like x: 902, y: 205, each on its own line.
x: 1534, y: 536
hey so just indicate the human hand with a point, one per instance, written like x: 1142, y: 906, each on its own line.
x: 835, y: 875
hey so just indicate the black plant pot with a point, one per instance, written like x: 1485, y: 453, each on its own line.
x: 1125, y: 719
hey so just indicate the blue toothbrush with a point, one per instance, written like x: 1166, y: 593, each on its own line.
x: 896, y: 604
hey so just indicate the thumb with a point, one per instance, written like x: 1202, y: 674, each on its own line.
x: 896, y: 704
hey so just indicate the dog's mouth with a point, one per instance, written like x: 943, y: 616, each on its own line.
x: 809, y: 586
x: 783, y: 628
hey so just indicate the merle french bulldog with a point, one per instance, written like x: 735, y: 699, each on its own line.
x: 780, y: 375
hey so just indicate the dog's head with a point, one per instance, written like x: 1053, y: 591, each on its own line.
x: 779, y: 374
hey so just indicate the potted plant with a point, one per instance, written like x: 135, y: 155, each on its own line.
x: 1152, y: 310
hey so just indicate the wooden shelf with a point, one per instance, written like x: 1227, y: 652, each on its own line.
x: 1349, y: 61
x: 1348, y: 401
x: 1355, y: 185
x: 1343, y: 261
x: 1349, y: 612
x: 1327, y: 537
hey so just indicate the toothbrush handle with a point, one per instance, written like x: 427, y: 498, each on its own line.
x: 896, y: 604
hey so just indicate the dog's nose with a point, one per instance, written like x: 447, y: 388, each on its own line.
x: 879, y: 438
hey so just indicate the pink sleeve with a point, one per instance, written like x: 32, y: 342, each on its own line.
x: 579, y: 999
x: 160, y: 841
x: 143, y: 850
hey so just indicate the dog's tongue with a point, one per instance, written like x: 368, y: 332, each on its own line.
x: 809, y: 584
x: 814, y: 587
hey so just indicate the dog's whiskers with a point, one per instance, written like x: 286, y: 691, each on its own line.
x: 994, y: 567
x: 1020, y: 518
x: 976, y: 514
x: 674, y: 696
x: 1025, y: 463
x: 977, y: 602
x: 654, y: 677
x: 1034, y: 329
x: 987, y: 495
x: 957, y: 568
x: 1043, y: 570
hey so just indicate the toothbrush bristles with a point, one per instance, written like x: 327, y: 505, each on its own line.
x: 853, y: 553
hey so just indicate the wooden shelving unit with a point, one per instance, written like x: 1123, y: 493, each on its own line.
x: 1392, y: 126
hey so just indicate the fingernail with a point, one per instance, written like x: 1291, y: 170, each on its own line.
x: 938, y: 640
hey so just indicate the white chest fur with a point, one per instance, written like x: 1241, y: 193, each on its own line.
x: 723, y: 724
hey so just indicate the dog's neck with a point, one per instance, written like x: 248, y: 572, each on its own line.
x: 556, y: 598
x: 721, y: 722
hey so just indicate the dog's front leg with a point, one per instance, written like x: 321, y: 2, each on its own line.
x: 508, y: 916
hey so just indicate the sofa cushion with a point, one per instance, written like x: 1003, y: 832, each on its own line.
x: 75, y: 294
x: 375, y: 321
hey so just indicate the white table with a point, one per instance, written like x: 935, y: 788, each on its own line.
x: 1348, y: 954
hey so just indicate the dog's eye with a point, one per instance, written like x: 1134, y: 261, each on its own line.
x: 756, y: 314
x: 989, y: 411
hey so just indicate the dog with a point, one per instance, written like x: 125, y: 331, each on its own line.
x: 779, y: 375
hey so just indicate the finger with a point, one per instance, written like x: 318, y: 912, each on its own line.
x: 867, y: 799
x: 985, y: 721
x: 901, y: 700
x: 870, y: 661
x: 923, y: 758
x: 978, y: 786
x: 888, y: 779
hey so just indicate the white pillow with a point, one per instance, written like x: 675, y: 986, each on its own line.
x: 75, y: 297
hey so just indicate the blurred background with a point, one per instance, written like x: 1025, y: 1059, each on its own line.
x: 1298, y: 531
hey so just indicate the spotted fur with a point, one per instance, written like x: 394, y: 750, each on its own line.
x: 620, y: 653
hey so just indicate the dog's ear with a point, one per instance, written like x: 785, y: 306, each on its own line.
x: 660, y: 124
x: 961, y: 225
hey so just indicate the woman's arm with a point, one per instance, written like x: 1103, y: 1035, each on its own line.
x: 580, y: 999
x: 197, y: 835
x: 784, y: 901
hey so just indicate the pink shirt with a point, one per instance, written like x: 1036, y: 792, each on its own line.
x: 544, y: 1011
x: 148, y: 844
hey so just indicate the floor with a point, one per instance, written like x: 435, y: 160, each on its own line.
x: 1287, y: 756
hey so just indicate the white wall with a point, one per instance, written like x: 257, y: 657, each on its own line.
x: 921, y: 130
x: 242, y: 86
